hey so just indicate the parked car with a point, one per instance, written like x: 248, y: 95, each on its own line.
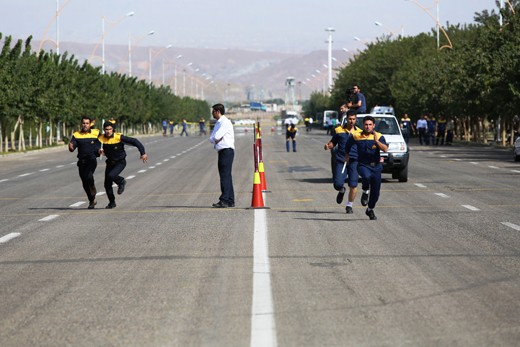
x: 395, y: 161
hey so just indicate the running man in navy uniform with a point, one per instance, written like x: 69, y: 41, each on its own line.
x: 369, y: 146
x: 87, y: 143
x: 343, y: 133
x: 291, y: 134
x: 114, y: 150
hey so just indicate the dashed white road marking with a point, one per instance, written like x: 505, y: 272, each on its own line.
x: 9, y: 237
x: 100, y: 193
x: 442, y: 195
x: 4, y: 180
x: 183, y: 151
x: 72, y: 163
x: 27, y: 174
x: 130, y: 177
x: 263, y: 329
x: 474, y: 163
x: 158, y: 164
x: 493, y: 167
x: 420, y: 185
x: 48, y: 218
x: 59, y: 166
x: 443, y: 156
x: 515, y: 171
x: 44, y: 170
x: 172, y: 157
x: 77, y: 204
x: 151, y: 167
x: 166, y: 160
x: 472, y: 208
x: 179, y: 153
x: 511, y: 225
x: 141, y: 171
x: 458, y: 159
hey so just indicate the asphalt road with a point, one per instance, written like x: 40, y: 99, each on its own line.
x: 440, y: 266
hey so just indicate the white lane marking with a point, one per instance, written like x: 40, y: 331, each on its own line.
x: 59, y: 166
x: 457, y: 159
x: 183, y: 151
x: 130, y: 177
x: 9, y: 237
x: 172, y: 157
x: 141, y: 171
x: 27, y: 174
x: 511, y: 225
x: 516, y: 171
x: 72, y: 163
x: 494, y: 167
x: 4, y: 180
x: 474, y: 163
x: 48, y: 218
x: 263, y: 330
x: 158, y: 164
x: 44, y: 170
x: 442, y: 195
x: 100, y: 193
x: 420, y: 185
x: 179, y: 153
x: 77, y: 204
x: 472, y: 208
x: 151, y: 167
x: 431, y: 153
x: 443, y: 156
x: 166, y: 160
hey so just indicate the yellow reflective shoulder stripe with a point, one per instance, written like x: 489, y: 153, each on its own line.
x: 110, y: 140
x: 91, y: 135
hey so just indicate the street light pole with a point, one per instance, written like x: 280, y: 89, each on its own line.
x: 58, y: 27
x: 438, y: 24
x: 330, y: 31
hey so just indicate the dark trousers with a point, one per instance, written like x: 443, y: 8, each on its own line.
x: 371, y: 180
x: 422, y: 132
x: 184, y: 131
x: 112, y: 171
x: 449, y: 137
x: 225, y: 164
x: 86, y: 170
x: 440, y: 136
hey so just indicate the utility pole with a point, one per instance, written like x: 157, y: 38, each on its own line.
x: 58, y: 27
x: 438, y: 23
x: 330, y: 31
x: 129, y: 56
x: 501, y: 7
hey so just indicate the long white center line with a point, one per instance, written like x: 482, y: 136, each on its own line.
x: 442, y: 195
x: 511, y: 225
x: 420, y: 185
x: 78, y: 204
x: 263, y: 329
x: 8, y: 237
x: 48, y: 218
x: 472, y: 208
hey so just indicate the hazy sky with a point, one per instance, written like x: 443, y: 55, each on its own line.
x: 282, y: 25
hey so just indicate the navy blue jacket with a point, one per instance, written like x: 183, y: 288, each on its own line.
x: 340, y: 139
x: 87, y: 144
x: 114, y: 146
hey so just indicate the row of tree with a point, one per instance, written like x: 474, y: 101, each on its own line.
x: 46, y: 89
x: 476, y: 83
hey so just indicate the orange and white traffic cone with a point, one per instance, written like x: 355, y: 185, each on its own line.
x: 257, y: 201
x: 261, y: 167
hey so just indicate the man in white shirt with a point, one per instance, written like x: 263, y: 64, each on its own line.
x: 422, y: 127
x: 223, y: 137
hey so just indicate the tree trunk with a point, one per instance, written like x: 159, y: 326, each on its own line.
x: 484, y: 130
x: 463, y: 134
x: 40, y: 133
x: 7, y: 130
x: 13, y: 131
x: 21, y: 135
x: 503, y: 128
x: 1, y: 138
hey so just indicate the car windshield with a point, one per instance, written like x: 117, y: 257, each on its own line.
x: 384, y: 125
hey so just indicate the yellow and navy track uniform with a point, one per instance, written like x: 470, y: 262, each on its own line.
x: 407, y: 128
x: 88, y: 147
x: 432, y: 123
x: 441, y: 131
x: 340, y: 139
x: 114, y: 148
x: 291, y: 134
x: 369, y: 165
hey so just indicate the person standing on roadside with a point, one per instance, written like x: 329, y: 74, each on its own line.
x: 340, y: 139
x: 407, y: 127
x: 441, y: 130
x: 422, y: 127
x: 172, y: 123
x: 114, y: 150
x: 202, y: 126
x: 87, y: 143
x: 223, y: 138
x: 369, y: 146
x: 449, y: 131
x: 164, y: 126
x: 184, y: 128
x: 359, y: 104
x: 329, y: 126
x: 432, y: 126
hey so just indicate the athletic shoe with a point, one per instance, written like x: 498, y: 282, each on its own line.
x: 349, y: 210
x: 371, y: 214
x: 364, y: 199
x: 92, y: 204
x: 121, y: 187
x: 339, y: 197
x: 220, y: 204
x: 111, y: 205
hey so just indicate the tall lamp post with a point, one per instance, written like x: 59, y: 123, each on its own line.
x: 130, y: 49
x: 164, y: 68
x: 176, y: 73
x: 358, y: 39
x: 130, y: 14
x: 426, y: 9
x: 392, y: 32
x: 337, y: 61
x: 57, y: 42
x: 329, y: 41
x: 149, y: 66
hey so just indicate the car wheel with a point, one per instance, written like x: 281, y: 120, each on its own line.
x: 395, y: 175
x: 403, y: 175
